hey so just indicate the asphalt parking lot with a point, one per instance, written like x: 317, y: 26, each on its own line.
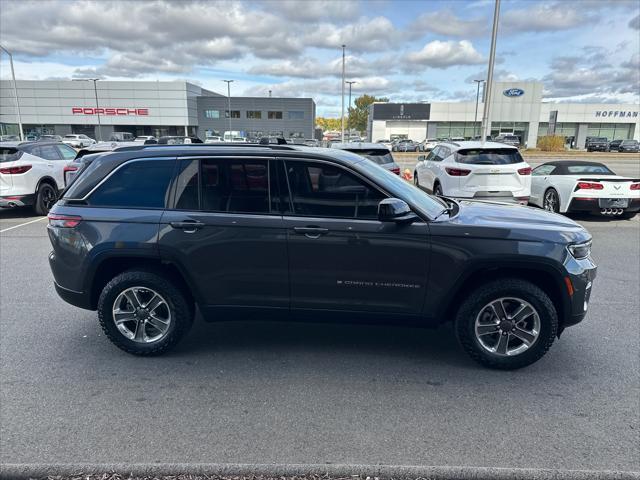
x: 293, y: 393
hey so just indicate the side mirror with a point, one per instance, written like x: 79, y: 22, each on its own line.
x: 395, y: 210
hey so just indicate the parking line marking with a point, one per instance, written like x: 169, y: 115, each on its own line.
x: 22, y: 224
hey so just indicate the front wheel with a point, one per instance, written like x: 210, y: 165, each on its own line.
x: 507, y: 324
x: 143, y: 313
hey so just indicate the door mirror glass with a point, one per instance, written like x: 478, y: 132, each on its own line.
x: 395, y: 210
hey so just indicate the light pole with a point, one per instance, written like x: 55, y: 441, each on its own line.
x: 349, y: 106
x: 342, y: 110
x: 475, y: 118
x: 486, y: 127
x: 95, y: 91
x: 228, y: 82
x: 15, y: 91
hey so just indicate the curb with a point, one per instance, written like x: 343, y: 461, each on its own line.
x: 27, y: 471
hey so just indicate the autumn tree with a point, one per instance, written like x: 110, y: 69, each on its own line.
x: 360, y: 111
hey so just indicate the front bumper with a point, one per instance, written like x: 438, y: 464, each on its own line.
x: 12, y: 201
x: 580, y: 275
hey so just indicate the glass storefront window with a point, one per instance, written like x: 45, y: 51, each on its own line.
x: 611, y: 131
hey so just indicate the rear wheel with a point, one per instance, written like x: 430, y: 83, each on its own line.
x: 551, y: 201
x: 437, y: 190
x: 507, y: 324
x: 143, y: 313
x: 416, y: 182
x: 46, y: 197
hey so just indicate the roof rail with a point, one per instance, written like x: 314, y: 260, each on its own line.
x: 204, y: 145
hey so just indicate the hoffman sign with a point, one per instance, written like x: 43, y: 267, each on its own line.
x: 616, y: 113
x: 110, y: 111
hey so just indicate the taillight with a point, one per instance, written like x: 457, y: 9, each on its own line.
x: 525, y: 171
x: 589, y: 186
x: 457, y: 172
x: 63, y: 221
x: 635, y: 186
x: 396, y: 170
x: 15, y: 170
x: 69, y: 168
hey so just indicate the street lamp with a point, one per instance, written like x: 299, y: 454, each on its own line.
x: 349, y: 106
x: 475, y: 118
x: 95, y: 91
x: 228, y: 82
x: 486, y: 127
x: 15, y: 91
x: 342, y: 110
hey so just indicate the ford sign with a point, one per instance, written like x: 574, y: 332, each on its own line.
x: 513, y: 92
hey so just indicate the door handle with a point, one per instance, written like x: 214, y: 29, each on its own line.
x: 188, y: 226
x: 311, y: 232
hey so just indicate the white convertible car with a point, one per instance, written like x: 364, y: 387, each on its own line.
x: 577, y: 186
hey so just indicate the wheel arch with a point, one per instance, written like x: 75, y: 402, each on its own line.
x: 47, y: 179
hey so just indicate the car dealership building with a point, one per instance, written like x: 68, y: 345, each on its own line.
x: 517, y: 108
x: 146, y: 108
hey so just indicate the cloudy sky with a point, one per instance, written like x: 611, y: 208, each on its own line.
x: 583, y: 50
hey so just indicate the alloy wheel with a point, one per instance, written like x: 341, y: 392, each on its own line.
x: 551, y: 201
x: 141, y: 315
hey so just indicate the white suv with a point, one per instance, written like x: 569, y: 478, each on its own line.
x: 475, y: 170
x: 32, y: 174
x: 78, y: 140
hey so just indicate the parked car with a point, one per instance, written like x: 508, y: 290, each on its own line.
x: 579, y: 186
x: 405, y: 146
x: 145, y: 138
x: 373, y: 151
x: 311, y: 142
x: 178, y: 140
x: 596, y: 144
x: 49, y: 138
x: 122, y: 137
x: 78, y: 140
x: 9, y: 138
x: 427, y: 144
x: 316, y: 228
x: 213, y: 139
x: 629, y: 146
x: 475, y: 170
x: 508, y: 139
x: 32, y: 174
x: 614, y: 145
x: 386, y: 143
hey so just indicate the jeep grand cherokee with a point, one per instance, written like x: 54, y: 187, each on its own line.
x: 146, y: 233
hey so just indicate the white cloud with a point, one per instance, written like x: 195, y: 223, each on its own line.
x: 438, y: 54
x: 445, y: 22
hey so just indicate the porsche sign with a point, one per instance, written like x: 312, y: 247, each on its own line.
x: 110, y: 111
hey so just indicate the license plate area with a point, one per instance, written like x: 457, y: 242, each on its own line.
x: 613, y: 202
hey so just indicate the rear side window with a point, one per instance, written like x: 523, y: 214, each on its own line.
x: 486, y: 156
x: 48, y: 152
x: 67, y: 153
x: 136, y: 184
x: 9, y: 154
x: 580, y: 169
x: 379, y: 155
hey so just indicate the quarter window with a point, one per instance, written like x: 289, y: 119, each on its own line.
x: 137, y: 184
x: 321, y: 190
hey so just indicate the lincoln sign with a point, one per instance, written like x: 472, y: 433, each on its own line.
x: 110, y: 111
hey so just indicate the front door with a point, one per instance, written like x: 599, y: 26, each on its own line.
x: 340, y: 256
x: 225, y: 233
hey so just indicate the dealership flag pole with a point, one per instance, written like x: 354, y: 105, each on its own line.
x: 342, y: 110
x: 349, y: 107
x: 486, y: 127
x: 15, y: 91
x: 475, y: 118
x: 228, y: 106
x: 95, y: 90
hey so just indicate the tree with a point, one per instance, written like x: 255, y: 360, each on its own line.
x: 360, y: 111
x: 327, y: 124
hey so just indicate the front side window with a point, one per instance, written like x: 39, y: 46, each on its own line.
x: 48, y: 152
x: 136, y: 184
x: 323, y: 190
x: 543, y: 170
x: 255, y: 114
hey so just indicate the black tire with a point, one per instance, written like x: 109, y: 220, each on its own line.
x: 547, y: 203
x: 181, y: 311
x: 437, y: 189
x: 46, y: 197
x: 416, y: 181
x: 509, y: 287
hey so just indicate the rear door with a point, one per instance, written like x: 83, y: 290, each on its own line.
x: 341, y: 257
x: 227, y: 234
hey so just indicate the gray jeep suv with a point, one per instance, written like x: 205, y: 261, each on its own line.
x: 145, y: 234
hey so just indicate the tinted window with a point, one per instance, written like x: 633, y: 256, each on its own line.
x: 187, y: 182
x: 489, y: 156
x: 629, y: 142
x: 137, y: 184
x: 322, y: 190
x: 67, y: 153
x: 580, y: 169
x: 378, y: 155
x: 240, y: 186
x: 9, y: 154
x: 48, y: 152
x: 296, y: 115
x: 544, y: 170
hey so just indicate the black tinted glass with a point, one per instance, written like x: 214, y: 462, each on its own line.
x: 240, y: 186
x: 9, y: 154
x: 187, y: 185
x: 141, y: 184
x: 48, y: 152
x: 378, y: 155
x: 599, y: 169
x: 322, y: 190
x: 494, y: 156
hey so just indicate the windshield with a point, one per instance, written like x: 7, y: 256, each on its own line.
x: 598, y: 139
x: 580, y: 169
x: 489, y: 156
x: 378, y: 155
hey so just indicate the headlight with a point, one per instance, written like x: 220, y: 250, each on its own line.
x: 580, y: 250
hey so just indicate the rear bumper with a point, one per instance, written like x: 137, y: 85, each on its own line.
x: 591, y: 205
x: 12, y: 201
x: 597, y: 148
x: 77, y: 299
